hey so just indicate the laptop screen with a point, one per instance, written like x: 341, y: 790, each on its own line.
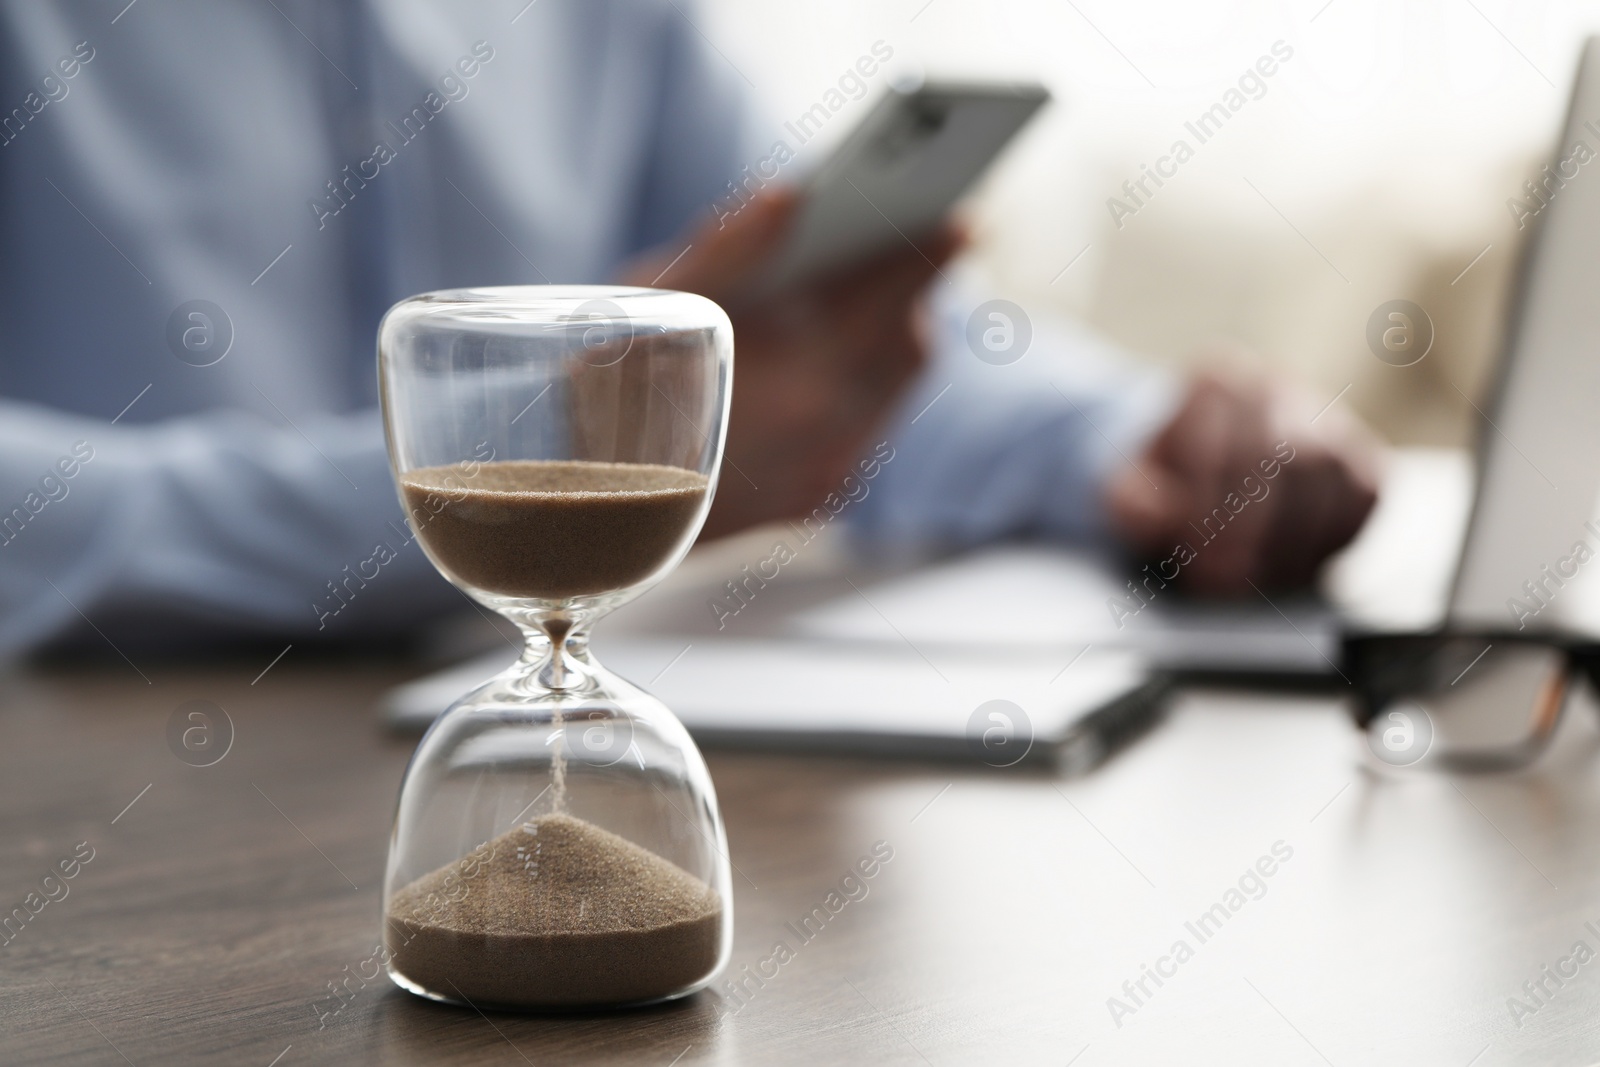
x: 1531, y: 558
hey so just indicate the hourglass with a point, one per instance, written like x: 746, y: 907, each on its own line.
x: 557, y: 842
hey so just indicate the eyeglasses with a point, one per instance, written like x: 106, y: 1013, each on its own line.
x: 1466, y: 701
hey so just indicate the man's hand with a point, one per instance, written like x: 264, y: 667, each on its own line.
x: 817, y: 367
x: 1272, y: 531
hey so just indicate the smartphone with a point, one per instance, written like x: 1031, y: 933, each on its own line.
x: 897, y: 175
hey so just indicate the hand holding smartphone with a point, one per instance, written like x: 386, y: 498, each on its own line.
x: 897, y: 175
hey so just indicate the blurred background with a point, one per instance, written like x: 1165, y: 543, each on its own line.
x: 1377, y: 165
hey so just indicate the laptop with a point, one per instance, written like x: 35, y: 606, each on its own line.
x: 1529, y: 558
x: 1510, y: 538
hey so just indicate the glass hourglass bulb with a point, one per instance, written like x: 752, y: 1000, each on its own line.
x: 557, y: 842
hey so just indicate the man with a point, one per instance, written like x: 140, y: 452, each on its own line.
x: 206, y: 207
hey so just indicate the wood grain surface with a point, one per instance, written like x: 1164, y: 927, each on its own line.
x: 222, y: 902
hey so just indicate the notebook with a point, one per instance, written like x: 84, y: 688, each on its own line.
x: 1068, y: 707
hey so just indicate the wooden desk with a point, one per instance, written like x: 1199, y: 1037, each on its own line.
x: 220, y: 905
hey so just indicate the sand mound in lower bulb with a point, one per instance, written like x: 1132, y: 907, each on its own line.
x: 560, y: 913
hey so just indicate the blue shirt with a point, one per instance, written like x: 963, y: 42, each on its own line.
x: 206, y: 206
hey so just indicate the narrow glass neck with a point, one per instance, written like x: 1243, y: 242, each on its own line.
x: 556, y: 656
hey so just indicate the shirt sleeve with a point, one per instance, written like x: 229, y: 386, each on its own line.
x: 224, y: 522
x: 1010, y: 433
x: 703, y: 131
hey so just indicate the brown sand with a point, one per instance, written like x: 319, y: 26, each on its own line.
x: 561, y: 914
x: 556, y: 528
